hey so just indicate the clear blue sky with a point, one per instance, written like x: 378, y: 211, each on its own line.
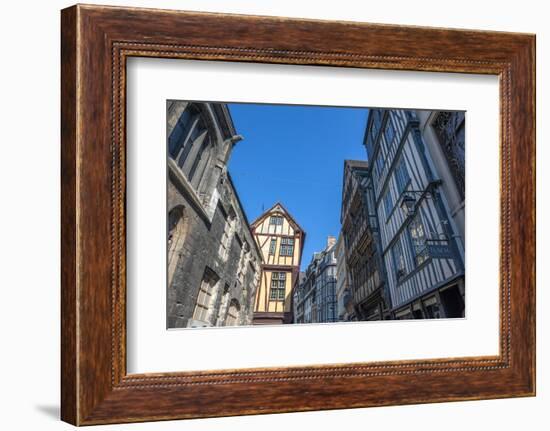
x: 295, y: 155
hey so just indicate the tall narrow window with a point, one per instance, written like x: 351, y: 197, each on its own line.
x: 418, y: 237
x: 180, y: 132
x: 278, y: 285
x: 388, y: 204
x: 398, y: 260
x: 227, y: 236
x: 189, y: 142
x: 376, y: 120
x: 373, y: 133
x: 287, y: 247
x: 272, y: 246
x: 380, y: 161
x: 389, y: 132
x: 206, y: 296
x: 186, y: 138
x: 177, y: 229
x: 203, y: 155
x: 402, y: 176
x: 375, y: 174
x: 232, y: 318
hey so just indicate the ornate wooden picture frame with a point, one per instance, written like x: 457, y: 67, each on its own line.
x: 96, y: 41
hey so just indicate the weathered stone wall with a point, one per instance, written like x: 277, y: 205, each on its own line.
x: 205, y: 219
x: 201, y: 250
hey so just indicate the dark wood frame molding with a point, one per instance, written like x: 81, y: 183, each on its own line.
x: 95, y: 43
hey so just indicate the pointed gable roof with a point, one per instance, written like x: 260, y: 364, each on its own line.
x: 351, y: 167
x: 278, y: 208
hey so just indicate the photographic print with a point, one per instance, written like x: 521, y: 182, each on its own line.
x: 290, y: 214
x: 224, y: 194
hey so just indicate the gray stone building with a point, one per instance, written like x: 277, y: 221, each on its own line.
x: 213, y: 262
x: 315, y: 296
x: 298, y: 313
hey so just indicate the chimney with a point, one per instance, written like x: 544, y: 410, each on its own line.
x: 331, y: 240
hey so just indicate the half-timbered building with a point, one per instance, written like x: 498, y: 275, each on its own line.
x: 444, y: 134
x: 280, y: 240
x: 213, y: 260
x: 421, y: 243
x: 361, y: 237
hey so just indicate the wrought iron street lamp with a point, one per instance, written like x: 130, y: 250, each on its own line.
x: 407, y: 204
x: 410, y: 198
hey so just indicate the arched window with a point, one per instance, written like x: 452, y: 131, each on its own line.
x: 188, y: 141
x: 192, y: 146
x: 232, y: 318
x: 181, y: 132
x: 206, y: 297
x: 200, y: 163
x: 177, y: 230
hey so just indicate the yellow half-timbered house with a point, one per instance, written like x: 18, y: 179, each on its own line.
x: 281, y: 242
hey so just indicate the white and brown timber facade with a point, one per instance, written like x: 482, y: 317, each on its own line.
x: 280, y: 240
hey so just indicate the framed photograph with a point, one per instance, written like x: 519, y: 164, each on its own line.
x: 324, y: 214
